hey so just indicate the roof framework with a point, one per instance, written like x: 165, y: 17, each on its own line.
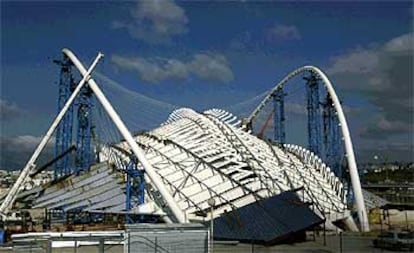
x: 207, y: 155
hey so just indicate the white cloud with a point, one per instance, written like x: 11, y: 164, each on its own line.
x: 386, y: 125
x: 213, y: 67
x: 210, y: 67
x: 381, y: 128
x: 282, y: 32
x: 357, y: 62
x: 24, y: 142
x: 265, y: 41
x: 9, y: 111
x: 155, y: 21
x: 15, y: 151
x: 296, y: 108
x: 403, y: 43
x: 375, y: 67
x: 153, y: 71
x: 384, y: 76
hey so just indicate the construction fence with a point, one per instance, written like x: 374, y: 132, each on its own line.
x: 137, y: 238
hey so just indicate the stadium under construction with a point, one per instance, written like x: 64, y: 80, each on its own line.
x: 207, y: 167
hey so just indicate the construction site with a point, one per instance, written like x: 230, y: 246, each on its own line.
x: 197, y: 179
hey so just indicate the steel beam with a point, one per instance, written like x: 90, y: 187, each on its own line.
x: 314, y: 123
x: 84, y: 152
x: 279, y: 118
x: 350, y: 156
x: 63, y: 134
x: 12, y: 194
x: 331, y: 137
x: 149, y: 170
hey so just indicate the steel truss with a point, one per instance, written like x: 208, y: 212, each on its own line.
x: 350, y: 156
x: 135, y: 190
x: 64, y: 131
x: 63, y: 135
x: 332, y: 137
x: 84, y: 152
x: 279, y: 118
x: 314, y: 119
x: 203, y: 156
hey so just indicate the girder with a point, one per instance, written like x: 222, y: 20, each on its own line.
x: 201, y: 162
x: 199, y: 156
x: 332, y: 137
x: 84, y: 152
x: 249, y: 157
x: 195, y: 156
x: 346, y: 137
x: 63, y: 134
x: 313, y: 107
x: 279, y: 118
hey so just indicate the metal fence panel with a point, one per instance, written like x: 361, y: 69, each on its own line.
x: 166, y: 238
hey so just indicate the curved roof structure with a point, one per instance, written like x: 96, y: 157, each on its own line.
x: 207, y: 155
x: 194, y: 157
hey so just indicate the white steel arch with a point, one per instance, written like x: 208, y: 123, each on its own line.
x: 353, y: 171
x: 30, y: 165
x: 154, y: 177
x: 193, y: 157
x: 206, y: 155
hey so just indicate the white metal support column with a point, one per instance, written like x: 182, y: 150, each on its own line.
x: 149, y: 170
x: 12, y: 194
x: 350, y: 156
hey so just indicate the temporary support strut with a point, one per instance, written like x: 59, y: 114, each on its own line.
x: 149, y: 170
x: 12, y: 194
x: 135, y: 189
x: 63, y: 135
x: 84, y: 152
x: 314, y: 124
x: 346, y: 137
x: 279, y: 119
x: 332, y: 137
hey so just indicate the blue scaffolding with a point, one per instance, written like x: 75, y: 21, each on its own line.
x: 84, y: 152
x: 279, y: 116
x: 332, y: 137
x: 135, y: 190
x: 314, y: 119
x: 63, y: 135
x: 83, y: 123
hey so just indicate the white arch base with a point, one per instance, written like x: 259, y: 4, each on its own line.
x: 353, y: 171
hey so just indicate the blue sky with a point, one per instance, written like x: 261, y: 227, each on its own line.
x: 216, y: 54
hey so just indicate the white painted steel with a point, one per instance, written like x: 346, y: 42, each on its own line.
x: 201, y: 162
x: 12, y: 194
x: 353, y: 170
x: 98, y: 189
x: 203, y: 155
x: 193, y: 157
x: 150, y: 171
